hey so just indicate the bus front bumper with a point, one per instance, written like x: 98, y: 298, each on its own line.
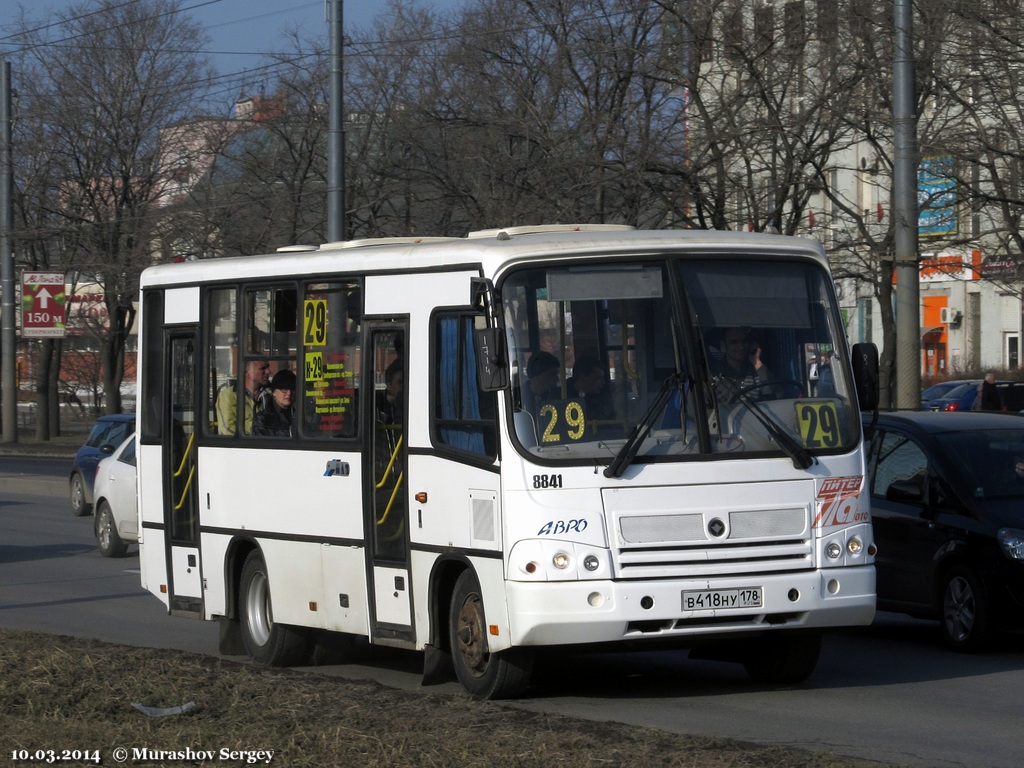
x: 577, y: 612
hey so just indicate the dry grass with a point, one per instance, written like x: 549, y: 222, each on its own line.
x: 61, y: 692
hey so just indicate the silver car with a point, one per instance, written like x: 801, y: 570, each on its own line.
x: 116, y: 520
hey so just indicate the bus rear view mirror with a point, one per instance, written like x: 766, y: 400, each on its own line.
x: 491, y: 361
x: 865, y: 375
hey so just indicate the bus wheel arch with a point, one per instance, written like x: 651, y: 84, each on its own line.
x: 483, y: 674
x: 267, y: 642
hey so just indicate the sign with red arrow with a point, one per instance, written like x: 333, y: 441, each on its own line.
x: 42, y: 304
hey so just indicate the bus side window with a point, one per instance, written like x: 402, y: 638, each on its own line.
x: 330, y: 331
x: 221, y: 353
x: 463, y: 413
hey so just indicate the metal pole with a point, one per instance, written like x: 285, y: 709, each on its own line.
x: 336, y: 127
x: 8, y: 338
x: 908, y: 290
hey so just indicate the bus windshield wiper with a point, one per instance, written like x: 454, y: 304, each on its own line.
x: 801, y: 457
x: 629, y: 450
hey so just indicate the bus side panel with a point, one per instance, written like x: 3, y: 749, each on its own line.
x: 462, y: 512
x: 152, y: 555
x: 292, y: 510
x: 278, y: 491
x: 344, y: 607
x: 462, y: 509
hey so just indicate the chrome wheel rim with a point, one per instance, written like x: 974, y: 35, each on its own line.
x: 257, y: 609
x: 77, y: 495
x: 105, y: 529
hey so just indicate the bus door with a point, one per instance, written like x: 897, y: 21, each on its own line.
x: 386, y: 481
x: 181, y: 508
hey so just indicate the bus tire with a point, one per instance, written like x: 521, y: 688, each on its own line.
x: 483, y: 674
x: 783, y: 658
x: 267, y: 643
x: 107, y: 538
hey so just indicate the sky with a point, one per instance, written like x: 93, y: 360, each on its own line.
x: 242, y: 33
x: 242, y: 30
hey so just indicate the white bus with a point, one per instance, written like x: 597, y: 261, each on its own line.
x: 551, y: 436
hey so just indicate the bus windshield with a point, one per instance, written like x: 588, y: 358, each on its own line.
x: 671, y: 359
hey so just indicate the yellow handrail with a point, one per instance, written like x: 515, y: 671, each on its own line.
x: 391, y: 500
x: 191, y: 472
x: 184, y: 492
x: 391, y: 463
x: 184, y: 456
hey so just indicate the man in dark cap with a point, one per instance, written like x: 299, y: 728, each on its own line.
x: 276, y: 418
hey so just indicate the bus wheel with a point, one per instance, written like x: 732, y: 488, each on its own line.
x: 110, y: 544
x: 270, y: 644
x: 484, y: 674
x: 782, y: 658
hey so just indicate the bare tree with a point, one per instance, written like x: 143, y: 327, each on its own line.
x: 101, y: 92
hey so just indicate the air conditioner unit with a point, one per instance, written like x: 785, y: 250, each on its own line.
x: 949, y: 316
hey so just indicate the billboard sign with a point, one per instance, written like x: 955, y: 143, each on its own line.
x: 43, y: 299
x: 936, y: 197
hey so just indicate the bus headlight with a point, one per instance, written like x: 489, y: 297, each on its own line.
x: 544, y: 560
x: 854, y: 546
x: 833, y: 550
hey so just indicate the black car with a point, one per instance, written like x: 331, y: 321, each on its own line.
x: 947, y: 502
x: 107, y: 433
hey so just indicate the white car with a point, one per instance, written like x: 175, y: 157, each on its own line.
x: 116, y: 501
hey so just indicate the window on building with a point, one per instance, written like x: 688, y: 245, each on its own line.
x: 827, y: 23
x: 795, y: 21
x: 732, y: 30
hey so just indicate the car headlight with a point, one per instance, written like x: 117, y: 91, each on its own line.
x: 1012, y: 542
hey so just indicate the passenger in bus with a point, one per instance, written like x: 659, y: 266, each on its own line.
x: 589, y: 385
x: 740, y: 369
x: 541, y: 380
x: 389, y: 399
x: 279, y: 415
x: 826, y: 386
x: 257, y: 375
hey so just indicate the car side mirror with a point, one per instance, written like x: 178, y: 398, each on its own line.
x: 909, y: 491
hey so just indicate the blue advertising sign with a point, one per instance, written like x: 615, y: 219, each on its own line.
x: 936, y: 197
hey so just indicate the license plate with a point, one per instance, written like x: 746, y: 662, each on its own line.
x: 708, y: 599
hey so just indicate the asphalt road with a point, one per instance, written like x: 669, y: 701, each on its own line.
x: 890, y: 692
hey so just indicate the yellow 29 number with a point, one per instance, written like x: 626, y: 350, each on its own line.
x: 819, y: 423
x: 314, y: 313
x: 563, y: 420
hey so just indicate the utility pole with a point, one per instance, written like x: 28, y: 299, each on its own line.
x: 8, y: 339
x: 336, y: 127
x: 904, y: 192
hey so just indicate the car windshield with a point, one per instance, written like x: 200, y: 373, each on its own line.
x: 672, y: 358
x: 990, y: 462
x: 109, y: 433
x: 959, y: 391
x: 938, y: 390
